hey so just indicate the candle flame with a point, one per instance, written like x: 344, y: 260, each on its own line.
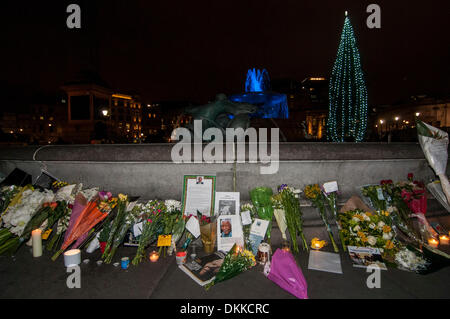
x: 72, y: 252
x: 316, y: 243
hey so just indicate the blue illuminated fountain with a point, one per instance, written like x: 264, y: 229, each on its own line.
x: 258, y: 92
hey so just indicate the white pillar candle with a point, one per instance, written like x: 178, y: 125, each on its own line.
x: 36, y: 236
x: 72, y: 257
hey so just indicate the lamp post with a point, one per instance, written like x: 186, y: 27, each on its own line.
x: 107, y: 115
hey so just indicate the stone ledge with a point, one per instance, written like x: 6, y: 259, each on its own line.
x: 162, y: 152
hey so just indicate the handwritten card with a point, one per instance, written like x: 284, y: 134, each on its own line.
x: 193, y: 226
x: 330, y: 187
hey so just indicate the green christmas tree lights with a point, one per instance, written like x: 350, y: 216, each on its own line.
x: 347, y: 117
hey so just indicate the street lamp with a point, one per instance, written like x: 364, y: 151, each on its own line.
x: 417, y: 114
x: 105, y: 112
x: 381, y: 125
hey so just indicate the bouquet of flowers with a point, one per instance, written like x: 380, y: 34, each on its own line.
x: 151, y: 216
x: 392, y: 198
x: 293, y: 213
x: 331, y: 198
x: 90, y: 215
x: 117, y: 223
x: 169, y: 219
x: 279, y: 212
x: 262, y: 201
x: 44, y: 219
x: 236, y: 261
x: 7, y: 193
x: 17, y: 216
x: 246, y: 228
x: 129, y: 220
x: 174, y: 207
x: 407, y: 259
x: 208, y: 231
x: 314, y: 193
x: 367, y: 229
x: 375, y: 195
x: 414, y: 194
x: 65, y: 193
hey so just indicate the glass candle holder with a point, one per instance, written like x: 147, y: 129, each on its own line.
x: 433, y: 242
x: 444, y: 239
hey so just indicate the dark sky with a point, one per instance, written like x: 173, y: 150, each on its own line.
x: 192, y: 50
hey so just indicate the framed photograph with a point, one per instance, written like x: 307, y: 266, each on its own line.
x: 229, y: 232
x: 198, y: 194
x: 227, y: 203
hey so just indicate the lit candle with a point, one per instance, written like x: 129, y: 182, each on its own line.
x: 433, y: 242
x: 72, y: 257
x: 444, y: 239
x: 285, y: 246
x: 317, y: 244
x: 36, y: 236
x: 154, y: 256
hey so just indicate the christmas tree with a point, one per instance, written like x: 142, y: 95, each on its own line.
x: 347, y: 118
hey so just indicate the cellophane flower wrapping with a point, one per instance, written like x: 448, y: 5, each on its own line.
x: 7, y: 193
x: 314, y: 193
x: 262, y: 201
x: 286, y: 274
x: 128, y: 222
x: 434, y: 143
x: 293, y: 215
x: 17, y: 216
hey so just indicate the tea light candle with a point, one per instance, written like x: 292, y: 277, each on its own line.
x: 72, y: 257
x: 285, y: 246
x: 444, y: 239
x: 36, y: 236
x: 433, y: 242
x: 317, y: 244
x: 154, y: 256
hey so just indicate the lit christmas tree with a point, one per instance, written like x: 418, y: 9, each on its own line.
x: 347, y: 117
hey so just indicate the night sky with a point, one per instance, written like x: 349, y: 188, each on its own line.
x: 192, y: 50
